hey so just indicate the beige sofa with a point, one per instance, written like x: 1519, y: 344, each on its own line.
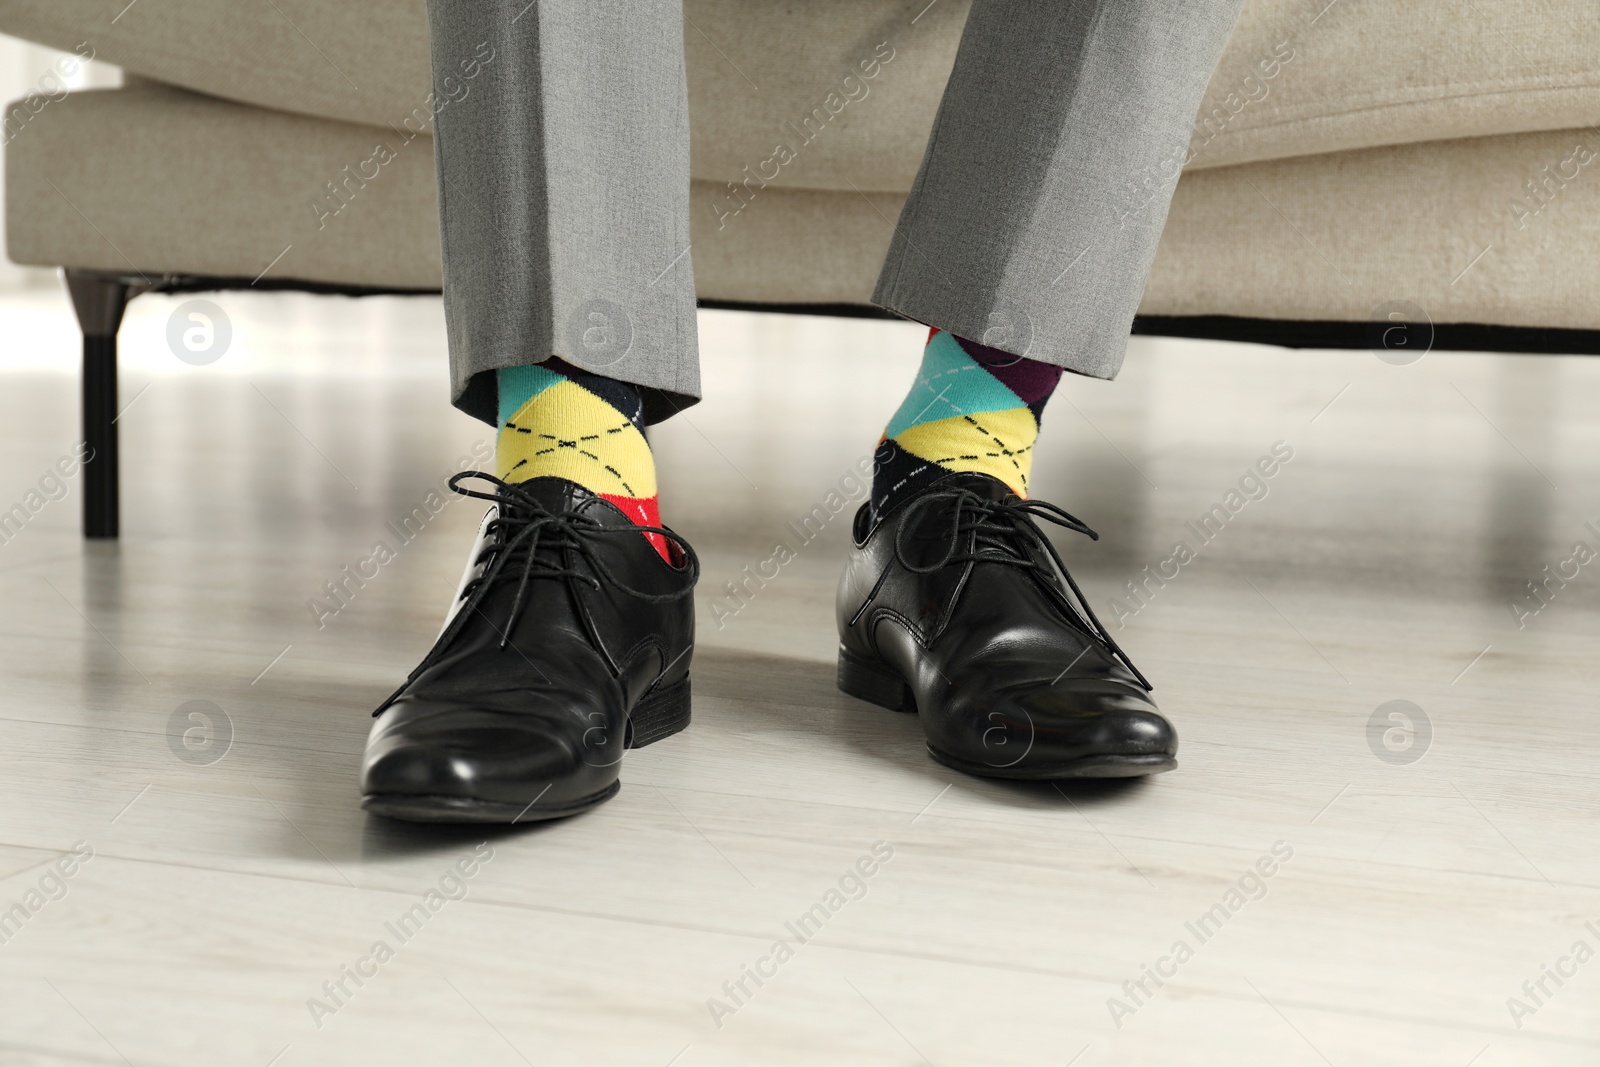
x: 1354, y: 164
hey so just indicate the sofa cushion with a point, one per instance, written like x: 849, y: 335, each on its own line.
x: 1298, y: 77
x: 156, y: 179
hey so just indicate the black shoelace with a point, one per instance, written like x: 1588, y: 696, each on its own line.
x: 1003, y: 532
x: 526, y: 541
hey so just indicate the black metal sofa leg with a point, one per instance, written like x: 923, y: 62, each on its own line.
x: 99, y: 300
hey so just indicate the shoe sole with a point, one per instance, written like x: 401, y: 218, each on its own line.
x: 878, y: 683
x: 420, y: 807
x: 1107, y: 766
x: 659, y: 715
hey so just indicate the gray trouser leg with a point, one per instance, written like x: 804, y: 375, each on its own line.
x: 1035, y: 217
x: 563, y: 163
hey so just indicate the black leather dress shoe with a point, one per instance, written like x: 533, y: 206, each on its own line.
x: 957, y: 607
x: 568, y: 642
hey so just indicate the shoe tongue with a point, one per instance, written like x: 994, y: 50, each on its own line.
x: 561, y: 495
x: 556, y: 495
x: 986, y: 486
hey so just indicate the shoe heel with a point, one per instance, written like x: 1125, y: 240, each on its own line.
x: 659, y: 714
x: 874, y: 681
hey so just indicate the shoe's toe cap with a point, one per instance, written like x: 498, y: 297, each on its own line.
x: 1058, y: 731
x: 417, y: 767
x: 1097, y: 718
x: 1138, y: 732
x: 485, y: 758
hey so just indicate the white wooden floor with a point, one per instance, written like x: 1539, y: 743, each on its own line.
x: 231, y: 880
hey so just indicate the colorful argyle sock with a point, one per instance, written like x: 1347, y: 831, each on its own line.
x: 558, y: 421
x: 973, y: 408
